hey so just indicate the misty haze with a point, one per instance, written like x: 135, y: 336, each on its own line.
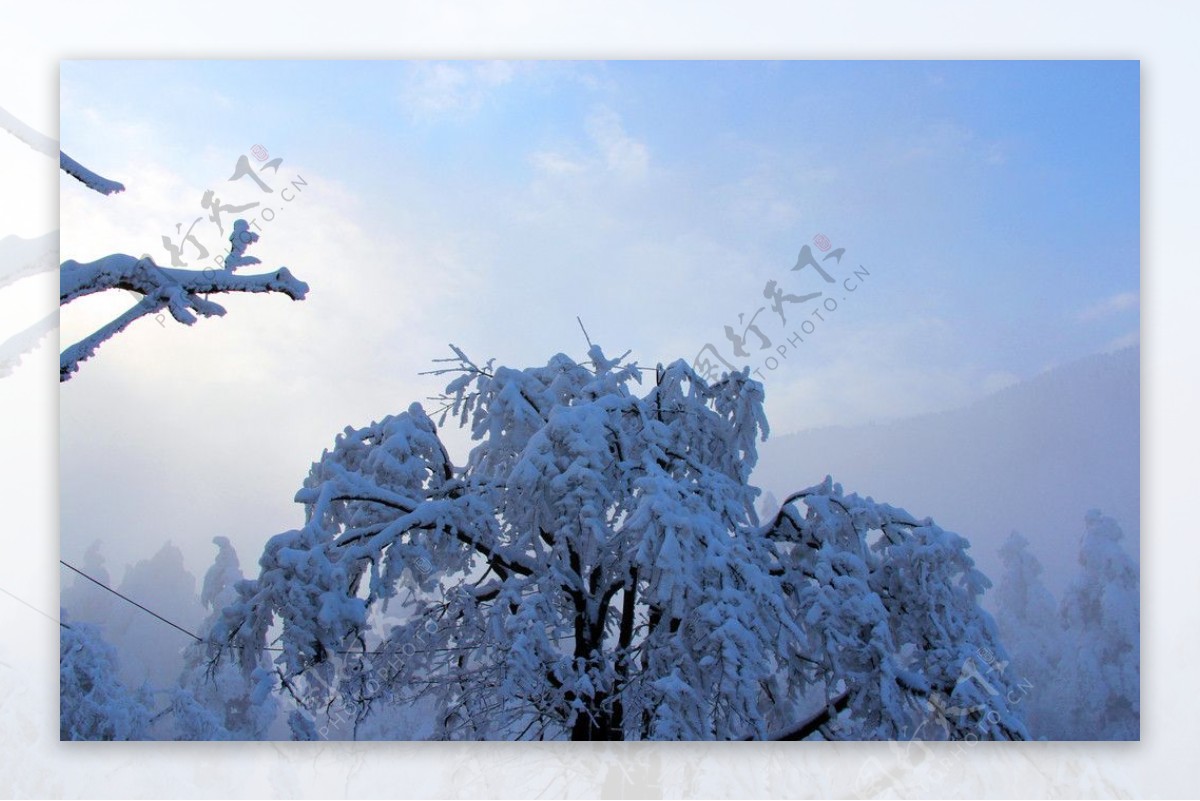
x: 600, y: 400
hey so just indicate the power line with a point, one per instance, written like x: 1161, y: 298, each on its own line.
x: 31, y: 606
x: 126, y: 598
x: 199, y: 639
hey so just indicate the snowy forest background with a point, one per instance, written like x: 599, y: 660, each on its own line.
x: 1007, y: 418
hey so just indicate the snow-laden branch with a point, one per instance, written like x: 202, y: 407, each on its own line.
x: 35, y: 139
x: 813, y: 725
x: 48, y: 147
x: 21, y: 258
x: 89, y: 179
x: 13, y: 349
x: 177, y: 291
x: 121, y: 271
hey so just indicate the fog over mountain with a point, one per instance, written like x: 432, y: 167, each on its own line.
x: 1033, y: 457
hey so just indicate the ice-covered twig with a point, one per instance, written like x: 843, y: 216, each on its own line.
x: 13, y: 349
x: 122, y: 271
x: 48, y: 147
x: 89, y: 179
x: 21, y: 258
x: 241, y: 238
x: 36, y: 140
x: 177, y: 291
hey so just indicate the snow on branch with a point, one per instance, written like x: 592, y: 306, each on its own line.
x: 89, y: 179
x: 177, y: 291
x: 16, y: 347
x: 48, y: 147
x: 35, y: 139
x: 20, y: 259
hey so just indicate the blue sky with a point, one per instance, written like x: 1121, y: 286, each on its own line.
x: 995, y: 205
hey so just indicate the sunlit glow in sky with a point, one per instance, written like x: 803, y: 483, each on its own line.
x: 993, y: 205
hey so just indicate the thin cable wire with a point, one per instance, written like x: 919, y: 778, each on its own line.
x: 31, y: 606
x: 340, y: 652
x: 130, y: 600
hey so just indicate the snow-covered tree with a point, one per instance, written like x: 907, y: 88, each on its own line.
x: 93, y: 702
x: 214, y: 701
x: 87, y: 602
x: 1032, y: 631
x: 768, y: 506
x: 182, y: 293
x: 596, y: 570
x: 1101, y: 613
x: 154, y: 650
x: 1077, y: 661
x: 1020, y: 591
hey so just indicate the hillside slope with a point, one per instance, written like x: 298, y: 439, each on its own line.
x: 1033, y: 457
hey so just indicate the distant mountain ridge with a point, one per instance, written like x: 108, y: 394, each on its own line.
x: 1033, y: 457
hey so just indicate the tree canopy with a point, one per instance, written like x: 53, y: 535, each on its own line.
x: 596, y: 570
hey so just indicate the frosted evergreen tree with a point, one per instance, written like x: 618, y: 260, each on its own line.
x: 596, y: 570
x: 86, y: 602
x: 214, y: 701
x: 1030, y: 628
x: 1100, y: 611
x: 768, y: 506
x: 94, y: 704
x: 151, y: 650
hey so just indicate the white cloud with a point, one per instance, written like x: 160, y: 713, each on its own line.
x: 444, y: 87
x: 622, y: 154
x: 944, y: 141
x: 771, y: 198
x: 553, y: 163
x: 610, y: 151
x: 1124, y: 341
x: 1115, y: 304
